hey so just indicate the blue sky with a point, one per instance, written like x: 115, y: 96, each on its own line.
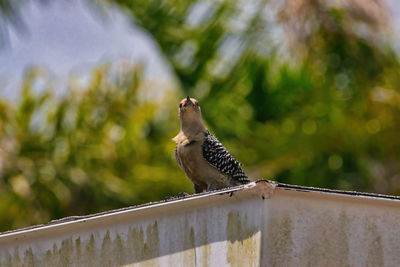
x: 68, y: 37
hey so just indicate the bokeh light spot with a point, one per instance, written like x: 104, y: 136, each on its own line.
x: 335, y: 162
x: 309, y: 127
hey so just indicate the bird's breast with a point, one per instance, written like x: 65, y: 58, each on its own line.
x: 196, y: 167
x: 190, y: 156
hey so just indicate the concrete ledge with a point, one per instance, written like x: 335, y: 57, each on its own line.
x: 259, y: 224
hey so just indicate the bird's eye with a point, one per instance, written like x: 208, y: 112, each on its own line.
x: 180, y: 105
x: 197, y: 104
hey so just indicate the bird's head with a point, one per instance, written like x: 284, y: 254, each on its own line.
x: 188, y: 107
x: 189, y: 112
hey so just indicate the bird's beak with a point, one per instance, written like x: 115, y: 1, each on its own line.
x: 189, y: 102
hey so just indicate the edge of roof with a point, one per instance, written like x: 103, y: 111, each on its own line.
x: 333, y: 191
x: 176, y: 199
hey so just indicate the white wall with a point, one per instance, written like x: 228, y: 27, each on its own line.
x: 261, y: 225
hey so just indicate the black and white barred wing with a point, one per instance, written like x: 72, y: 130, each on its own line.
x: 217, y: 155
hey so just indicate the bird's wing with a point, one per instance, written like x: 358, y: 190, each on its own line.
x: 217, y: 155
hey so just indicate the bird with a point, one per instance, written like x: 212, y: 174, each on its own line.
x: 205, y: 161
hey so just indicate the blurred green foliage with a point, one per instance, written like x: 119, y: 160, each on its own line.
x: 321, y: 112
x: 304, y: 92
x: 94, y: 148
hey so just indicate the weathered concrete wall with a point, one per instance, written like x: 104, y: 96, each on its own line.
x: 259, y: 225
x: 204, y: 231
x: 314, y: 229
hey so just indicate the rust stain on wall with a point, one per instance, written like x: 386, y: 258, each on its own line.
x: 243, y: 244
x: 280, y: 243
x: 206, y: 249
x: 375, y: 249
x: 140, y: 246
x: 327, y: 242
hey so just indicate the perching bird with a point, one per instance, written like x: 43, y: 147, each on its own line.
x: 201, y: 156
